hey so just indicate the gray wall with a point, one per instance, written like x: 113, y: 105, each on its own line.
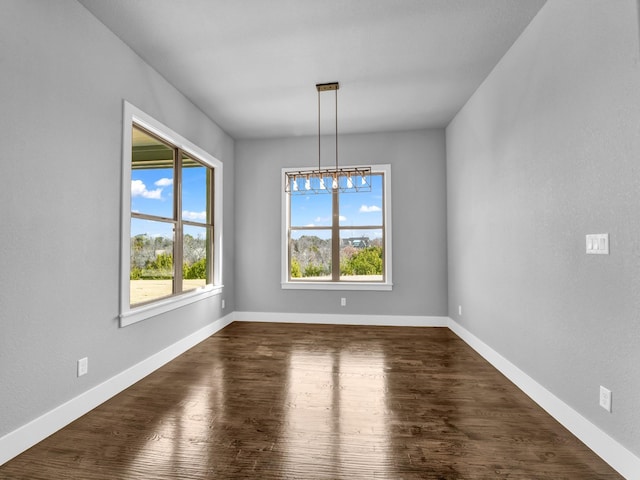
x: 417, y: 161
x: 546, y: 151
x: 64, y: 78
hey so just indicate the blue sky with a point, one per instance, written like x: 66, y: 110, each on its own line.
x: 152, y: 193
x: 356, y: 209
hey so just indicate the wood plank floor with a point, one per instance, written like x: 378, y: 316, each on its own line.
x: 289, y: 401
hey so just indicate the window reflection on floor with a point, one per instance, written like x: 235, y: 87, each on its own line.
x: 336, y: 409
x: 181, y: 433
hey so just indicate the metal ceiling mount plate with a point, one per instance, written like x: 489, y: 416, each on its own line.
x: 325, y: 87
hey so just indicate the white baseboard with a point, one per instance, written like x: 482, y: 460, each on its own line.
x: 343, y: 319
x: 612, y: 452
x: 19, y: 440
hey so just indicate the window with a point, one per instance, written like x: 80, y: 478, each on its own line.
x: 170, y: 220
x: 339, y: 240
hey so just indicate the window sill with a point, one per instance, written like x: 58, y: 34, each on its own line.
x: 336, y: 286
x: 143, y: 312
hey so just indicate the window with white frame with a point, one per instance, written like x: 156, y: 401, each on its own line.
x: 171, y: 253
x: 338, y: 240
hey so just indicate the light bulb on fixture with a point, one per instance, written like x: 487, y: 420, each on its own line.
x: 322, y: 185
x: 307, y: 183
x: 334, y: 183
x: 295, y: 184
x: 349, y: 182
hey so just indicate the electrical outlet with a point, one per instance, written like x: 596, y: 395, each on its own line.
x: 222, y: 303
x: 83, y: 366
x: 460, y: 310
x: 605, y: 398
x: 343, y: 302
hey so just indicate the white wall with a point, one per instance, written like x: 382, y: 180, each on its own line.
x: 419, y: 225
x: 64, y: 78
x: 546, y: 151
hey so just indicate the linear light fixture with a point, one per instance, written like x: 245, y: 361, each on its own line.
x: 328, y: 180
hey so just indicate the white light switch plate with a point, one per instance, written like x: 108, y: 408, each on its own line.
x: 598, y: 244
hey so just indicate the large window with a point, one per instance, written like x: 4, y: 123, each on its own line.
x: 170, y: 253
x: 339, y: 240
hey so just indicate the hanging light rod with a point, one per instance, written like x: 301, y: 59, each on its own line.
x: 328, y: 180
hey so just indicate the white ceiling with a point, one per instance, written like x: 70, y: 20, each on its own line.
x: 252, y: 65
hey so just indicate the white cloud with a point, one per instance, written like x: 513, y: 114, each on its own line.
x: 369, y: 209
x: 164, y: 182
x: 139, y: 189
x: 343, y: 218
x: 187, y: 215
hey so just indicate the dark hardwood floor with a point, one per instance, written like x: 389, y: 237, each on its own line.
x: 289, y: 401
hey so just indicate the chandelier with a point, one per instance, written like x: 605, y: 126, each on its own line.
x: 332, y: 179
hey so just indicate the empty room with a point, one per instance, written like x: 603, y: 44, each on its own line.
x: 285, y: 239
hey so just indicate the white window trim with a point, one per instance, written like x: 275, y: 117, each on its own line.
x: 345, y: 285
x: 130, y: 315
